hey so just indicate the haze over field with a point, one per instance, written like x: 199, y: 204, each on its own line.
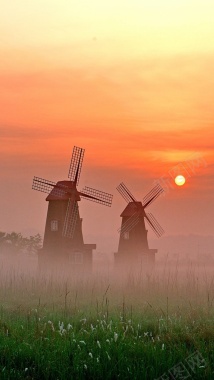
x: 132, y: 83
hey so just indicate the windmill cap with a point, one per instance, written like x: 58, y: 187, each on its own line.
x: 131, y: 208
x: 63, y: 190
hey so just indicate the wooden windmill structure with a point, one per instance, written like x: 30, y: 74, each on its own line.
x: 133, y: 247
x: 63, y: 238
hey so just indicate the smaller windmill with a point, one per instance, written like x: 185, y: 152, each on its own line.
x: 133, y: 242
x: 63, y: 238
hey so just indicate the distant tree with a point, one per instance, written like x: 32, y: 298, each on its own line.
x: 15, y: 243
x: 33, y: 244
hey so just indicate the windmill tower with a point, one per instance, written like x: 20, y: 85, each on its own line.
x: 63, y: 238
x: 133, y: 247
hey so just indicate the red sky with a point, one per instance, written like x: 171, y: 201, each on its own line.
x: 132, y: 88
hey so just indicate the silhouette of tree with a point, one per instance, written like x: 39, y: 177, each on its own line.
x: 15, y: 243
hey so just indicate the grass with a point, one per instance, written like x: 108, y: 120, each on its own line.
x: 105, y: 327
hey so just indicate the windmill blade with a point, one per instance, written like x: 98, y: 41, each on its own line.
x: 96, y: 196
x: 76, y: 164
x: 152, y: 195
x: 154, y: 224
x: 152, y: 192
x: 45, y: 186
x: 130, y: 223
x: 152, y: 199
x: 70, y: 219
x: 126, y: 194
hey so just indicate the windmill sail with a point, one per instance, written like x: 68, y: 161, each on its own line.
x: 126, y: 194
x: 70, y: 219
x: 154, y: 224
x: 96, y: 196
x: 152, y: 195
x: 76, y: 164
x: 46, y: 186
x: 130, y: 223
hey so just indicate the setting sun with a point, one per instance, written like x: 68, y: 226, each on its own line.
x: 180, y: 180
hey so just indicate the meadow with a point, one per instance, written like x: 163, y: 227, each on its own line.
x: 154, y: 325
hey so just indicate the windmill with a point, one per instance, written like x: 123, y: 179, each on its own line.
x: 133, y: 242
x: 63, y: 238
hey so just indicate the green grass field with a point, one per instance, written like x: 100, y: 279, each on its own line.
x: 105, y: 327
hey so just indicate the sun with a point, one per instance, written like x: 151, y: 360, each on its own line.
x: 180, y: 180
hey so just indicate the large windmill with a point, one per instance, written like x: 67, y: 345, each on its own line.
x: 133, y: 243
x: 63, y: 238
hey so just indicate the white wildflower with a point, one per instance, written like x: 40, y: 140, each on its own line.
x: 61, y: 328
x: 162, y: 347
x: 115, y: 336
x: 127, y: 327
x: 83, y: 320
x: 52, y: 325
x: 69, y: 327
x: 98, y: 343
x: 85, y: 366
x: 98, y: 360
x: 62, y: 332
x: 82, y: 342
x: 26, y: 369
x: 90, y: 354
x: 108, y: 341
x: 109, y: 325
x: 108, y: 356
x: 146, y: 333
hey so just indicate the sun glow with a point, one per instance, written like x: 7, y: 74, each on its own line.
x: 180, y: 180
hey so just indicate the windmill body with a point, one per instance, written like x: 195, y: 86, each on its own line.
x: 134, y: 240
x: 63, y: 238
x: 54, y: 238
x: 133, y: 249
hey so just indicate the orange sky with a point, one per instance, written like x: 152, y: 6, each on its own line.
x: 132, y: 83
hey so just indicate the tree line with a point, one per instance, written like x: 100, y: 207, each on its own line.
x: 16, y: 243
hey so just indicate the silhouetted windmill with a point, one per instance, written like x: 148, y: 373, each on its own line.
x: 63, y: 238
x: 133, y: 242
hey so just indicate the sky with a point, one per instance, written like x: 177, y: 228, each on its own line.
x: 131, y: 82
